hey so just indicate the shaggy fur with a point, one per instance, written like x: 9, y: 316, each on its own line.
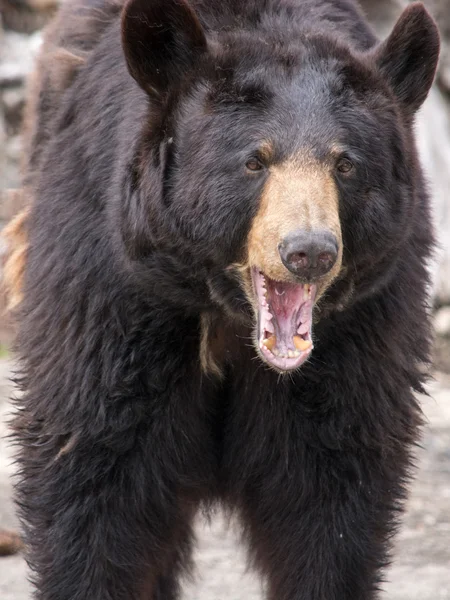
x: 135, y: 281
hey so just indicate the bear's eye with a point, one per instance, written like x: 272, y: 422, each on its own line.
x: 254, y: 164
x: 344, y: 165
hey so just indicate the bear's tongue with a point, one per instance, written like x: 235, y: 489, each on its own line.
x: 285, y: 321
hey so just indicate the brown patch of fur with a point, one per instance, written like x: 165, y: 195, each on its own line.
x: 221, y: 340
x: 69, y: 445
x: 211, y: 346
x: 266, y: 150
x: 10, y: 543
x: 17, y: 244
x: 63, y: 67
x: 297, y: 195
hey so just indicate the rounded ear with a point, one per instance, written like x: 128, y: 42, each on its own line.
x: 408, y: 57
x: 162, y: 40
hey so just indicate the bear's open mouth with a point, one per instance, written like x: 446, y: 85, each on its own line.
x: 284, y: 320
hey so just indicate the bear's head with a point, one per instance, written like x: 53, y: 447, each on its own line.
x: 276, y: 166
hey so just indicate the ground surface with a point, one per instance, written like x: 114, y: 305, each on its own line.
x: 422, y: 560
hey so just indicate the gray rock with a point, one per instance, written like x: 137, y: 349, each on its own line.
x: 13, y: 101
x: 441, y: 11
x: 433, y: 135
x: 442, y: 321
x: 382, y: 13
x: 17, y: 54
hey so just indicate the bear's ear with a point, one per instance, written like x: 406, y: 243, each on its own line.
x: 161, y: 39
x: 408, y: 57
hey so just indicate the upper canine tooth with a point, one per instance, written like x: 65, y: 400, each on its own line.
x: 306, y: 289
x: 270, y: 342
x: 304, y: 328
x: 268, y: 325
x: 301, y: 344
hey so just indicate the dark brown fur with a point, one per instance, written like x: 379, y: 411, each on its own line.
x: 143, y: 398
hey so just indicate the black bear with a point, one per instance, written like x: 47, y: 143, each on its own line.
x: 224, y: 297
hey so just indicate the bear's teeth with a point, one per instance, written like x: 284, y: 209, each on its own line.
x: 268, y: 326
x: 270, y: 342
x: 306, y: 291
x: 301, y: 344
x: 303, y: 329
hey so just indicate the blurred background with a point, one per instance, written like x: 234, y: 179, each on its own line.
x: 421, y: 569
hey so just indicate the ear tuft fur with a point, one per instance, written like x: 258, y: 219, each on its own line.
x: 162, y: 40
x: 408, y: 57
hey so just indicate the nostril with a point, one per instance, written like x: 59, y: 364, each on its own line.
x: 326, y: 258
x: 299, y: 260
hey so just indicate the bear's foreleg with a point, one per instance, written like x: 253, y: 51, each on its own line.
x: 319, y: 494
x: 101, y: 525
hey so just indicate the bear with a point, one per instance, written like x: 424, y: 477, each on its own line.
x: 222, y: 293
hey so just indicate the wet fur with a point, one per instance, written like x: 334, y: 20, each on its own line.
x: 122, y: 437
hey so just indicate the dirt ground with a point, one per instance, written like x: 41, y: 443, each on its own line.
x: 421, y: 569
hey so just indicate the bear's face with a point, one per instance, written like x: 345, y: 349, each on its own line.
x: 286, y: 168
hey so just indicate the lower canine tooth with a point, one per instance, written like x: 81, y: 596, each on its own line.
x: 291, y: 354
x: 301, y: 344
x: 270, y: 342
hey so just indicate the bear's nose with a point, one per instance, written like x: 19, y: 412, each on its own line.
x: 309, y: 254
